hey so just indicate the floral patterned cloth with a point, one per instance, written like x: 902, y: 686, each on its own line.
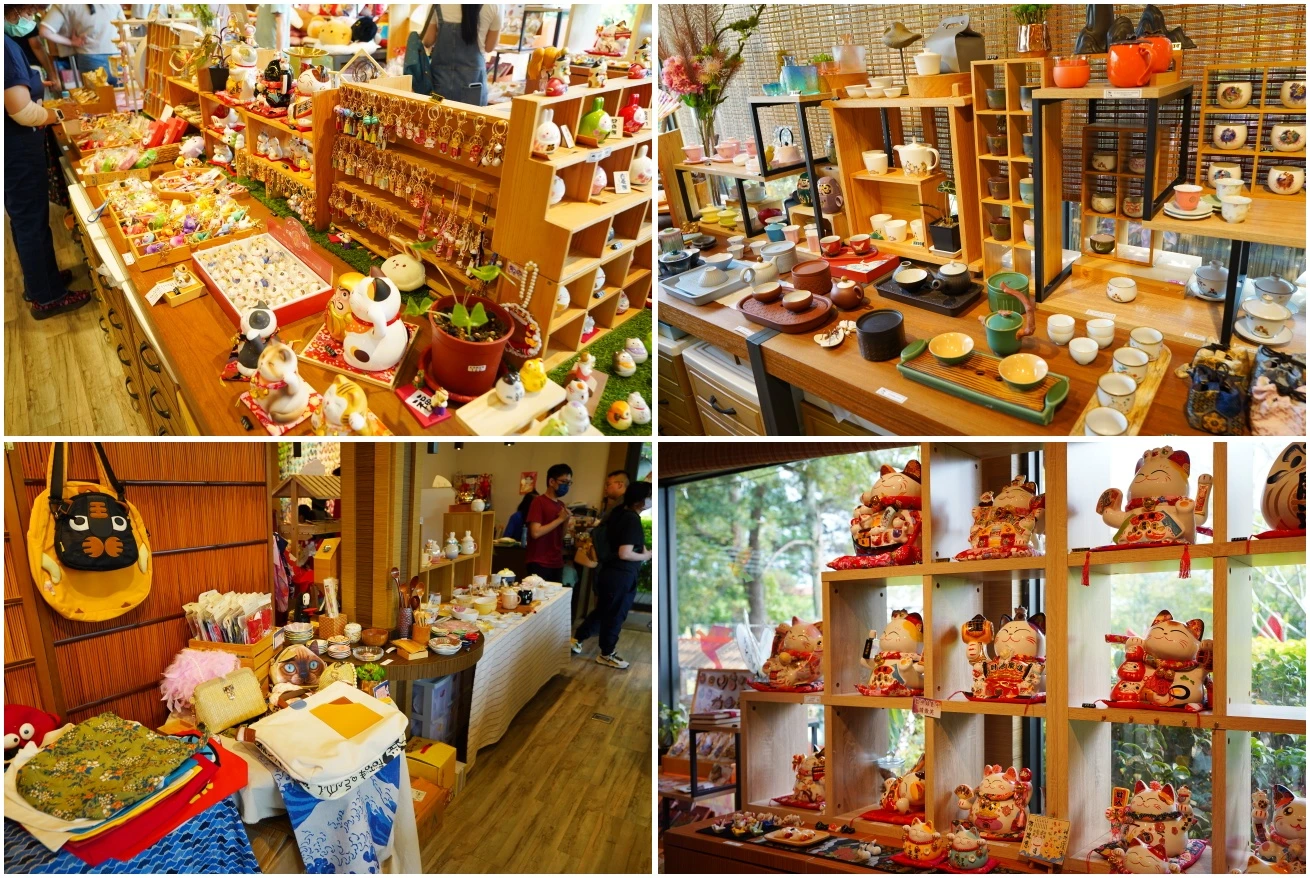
x: 101, y: 766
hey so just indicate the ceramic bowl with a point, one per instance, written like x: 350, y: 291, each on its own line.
x: 881, y: 81
x: 1101, y: 331
x: 999, y: 188
x: 1148, y: 340
x: 1233, y: 95
x: 771, y: 291
x: 1060, y: 328
x: 1104, y: 161
x: 1083, y: 350
x: 466, y: 615
x: 1102, y: 243
x: 445, y: 649
x: 1133, y: 205
x: 855, y: 91
x: 1285, y: 179
x: 893, y: 91
x: 1287, y: 138
x: 1000, y: 229
x: 996, y: 99
x: 1229, y: 136
x: 798, y: 300
x: 1071, y: 72
x: 1023, y: 372
x: 1292, y: 94
x: 1103, y: 202
x: 1121, y: 289
x: 374, y: 636
x: 1223, y: 170
x: 1275, y: 289
x: 911, y: 279
x: 1137, y: 164
x: 951, y: 348
x: 1104, y: 421
x: 368, y: 653
x: 1117, y: 391
x: 719, y: 260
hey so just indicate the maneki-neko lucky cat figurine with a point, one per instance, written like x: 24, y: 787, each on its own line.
x: 998, y: 807
x: 1280, y: 842
x: 921, y: 844
x: 1015, y: 672
x: 968, y: 853
x: 795, y: 663
x: 887, y: 523
x: 902, y: 797
x: 1005, y: 525
x: 1154, y: 815
x: 896, y: 669
x: 1169, y: 669
x: 808, y: 790
x: 1159, y: 510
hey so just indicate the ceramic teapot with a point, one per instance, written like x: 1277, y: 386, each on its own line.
x: 953, y: 279
x: 1005, y: 329
x: 795, y: 664
x: 468, y: 546
x: 998, y: 807
x: 452, y: 547
x: 1169, y: 669
x: 1159, y: 512
x: 896, y: 668
x: 917, y: 159
x: 509, y: 598
x: 1129, y: 64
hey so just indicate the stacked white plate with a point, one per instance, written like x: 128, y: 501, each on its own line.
x: 1201, y: 211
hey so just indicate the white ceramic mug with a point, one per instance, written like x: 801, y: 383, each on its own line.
x: 875, y: 161
x: 1104, y: 421
x: 1083, y: 350
x: 1148, y: 340
x: 1228, y: 186
x: 878, y: 222
x: 895, y: 230
x: 1121, y: 289
x: 1116, y: 390
x: 1131, y: 361
x: 1060, y: 328
x: 916, y: 230
x: 1029, y: 232
x: 1101, y: 330
x: 1235, y: 208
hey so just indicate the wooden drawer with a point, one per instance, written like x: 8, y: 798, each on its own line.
x: 673, y: 424
x: 676, y: 398
x: 717, y: 425
x: 820, y: 422
x: 731, y: 410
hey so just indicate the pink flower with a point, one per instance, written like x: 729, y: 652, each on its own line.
x: 677, y: 78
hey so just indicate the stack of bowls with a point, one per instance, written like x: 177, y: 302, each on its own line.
x: 338, y: 647
x: 298, y: 632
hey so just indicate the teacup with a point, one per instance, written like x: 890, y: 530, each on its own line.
x: 1104, y: 161
x: 1103, y: 202
x: 1265, y: 318
x: 1233, y: 95
x: 1026, y: 190
x: 878, y: 221
x: 792, y: 233
x: 1060, y: 328
x: 1101, y: 331
x: 1223, y: 171
x: 881, y: 82
x: 1228, y: 186
x: 1292, y: 94
x: 1275, y: 289
x: 895, y: 230
x: 1029, y: 233
x: 1148, y: 340
x: 861, y: 244
x: 875, y: 161
x: 1131, y: 361
x: 737, y: 239
x: 1235, y: 208
x: 1083, y: 350
x: 767, y: 292
x: 1133, y: 206
x: 1187, y: 196
x: 830, y: 245
x: 726, y: 150
x: 711, y: 277
x: 909, y: 278
x: 1116, y: 390
x: 758, y: 246
x: 695, y: 153
x: 1121, y: 289
x: 1287, y: 138
x: 774, y: 232
x: 1229, y: 136
x: 737, y: 251
x: 1105, y: 421
x: 855, y: 91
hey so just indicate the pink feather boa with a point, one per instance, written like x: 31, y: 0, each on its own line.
x: 189, y: 669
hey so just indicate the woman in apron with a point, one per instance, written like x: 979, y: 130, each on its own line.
x: 459, y: 67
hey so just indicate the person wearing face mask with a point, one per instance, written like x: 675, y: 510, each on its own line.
x: 27, y: 202
x: 616, y: 485
x: 621, y: 552
x: 547, y: 520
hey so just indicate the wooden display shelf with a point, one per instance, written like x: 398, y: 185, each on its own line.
x: 1269, y: 221
x: 564, y: 157
x: 1127, y: 716
x: 1276, y: 719
x: 1101, y: 92
x: 1129, y: 561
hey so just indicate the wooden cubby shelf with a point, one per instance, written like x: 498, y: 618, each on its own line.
x: 1262, y: 112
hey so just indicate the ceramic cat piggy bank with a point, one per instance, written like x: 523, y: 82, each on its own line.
x: 376, y: 337
x: 1169, y: 669
x: 1140, y: 857
x: 810, y: 773
x: 574, y: 414
x: 1280, y: 841
x: 998, y: 808
x: 1006, y: 524
x: 276, y: 387
x: 1283, y: 503
x: 1015, y: 670
x: 887, y: 523
x: 967, y: 849
x: 905, y: 794
x: 830, y: 196
x: 896, y: 668
x: 1159, y: 510
x: 313, y: 80
x: 640, y: 410
x: 794, y: 664
x: 921, y: 843
x: 345, y: 412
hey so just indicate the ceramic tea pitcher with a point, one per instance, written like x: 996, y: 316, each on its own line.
x: 917, y: 159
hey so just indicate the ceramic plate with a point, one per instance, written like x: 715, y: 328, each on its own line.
x: 1201, y: 211
x: 1281, y: 339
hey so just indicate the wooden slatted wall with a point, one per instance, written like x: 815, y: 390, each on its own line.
x: 206, y: 506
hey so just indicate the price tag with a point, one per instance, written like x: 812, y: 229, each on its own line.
x: 735, y: 844
x: 898, y: 398
x: 744, y: 330
x: 1122, y: 93
x: 622, y: 183
x: 159, y: 290
x: 1193, y: 336
x: 388, y: 661
x: 1105, y: 314
x: 566, y: 137
x: 927, y: 707
x: 129, y: 259
x: 167, y: 114
x: 813, y: 699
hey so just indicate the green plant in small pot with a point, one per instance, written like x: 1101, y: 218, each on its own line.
x: 945, y: 229
x: 469, y: 334
x: 369, y: 675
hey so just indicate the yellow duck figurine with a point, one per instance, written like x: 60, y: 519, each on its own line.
x: 533, y: 375
x: 619, y: 415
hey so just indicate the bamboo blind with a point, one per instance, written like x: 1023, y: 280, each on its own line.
x: 206, y: 505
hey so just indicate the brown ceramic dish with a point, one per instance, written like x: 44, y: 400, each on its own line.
x: 374, y: 636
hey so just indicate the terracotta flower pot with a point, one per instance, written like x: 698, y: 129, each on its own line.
x: 465, y: 368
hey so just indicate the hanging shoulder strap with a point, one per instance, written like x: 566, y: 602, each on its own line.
x: 108, y: 472
x: 55, y: 474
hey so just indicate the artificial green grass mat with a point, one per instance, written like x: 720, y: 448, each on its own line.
x: 603, y: 349
x: 358, y: 257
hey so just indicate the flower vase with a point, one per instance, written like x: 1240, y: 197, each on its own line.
x: 1034, y: 41
x: 705, y: 122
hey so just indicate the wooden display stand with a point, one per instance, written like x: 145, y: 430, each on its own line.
x: 256, y: 656
x: 1126, y: 141
x: 968, y: 734
x: 582, y: 237
x: 444, y: 576
x: 161, y: 40
x: 1264, y: 104
x: 297, y: 488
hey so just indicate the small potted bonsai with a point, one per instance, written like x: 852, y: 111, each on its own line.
x: 1034, y: 39
x: 945, y: 229
x: 469, y: 333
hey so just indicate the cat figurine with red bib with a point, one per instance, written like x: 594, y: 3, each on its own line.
x: 1169, y: 669
x: 887, y: 524
x: 795, y: 664
x: 1160, y: 511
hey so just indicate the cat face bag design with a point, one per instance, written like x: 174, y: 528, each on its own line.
x: 87, y: 545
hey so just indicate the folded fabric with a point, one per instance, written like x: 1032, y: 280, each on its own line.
x: 350, y: 834
x: 99, y: 767
x: 327, y: 745
x: 185, y: 772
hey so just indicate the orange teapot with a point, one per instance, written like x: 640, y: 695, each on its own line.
x: 1130, y: 64
x: 1162, y: 52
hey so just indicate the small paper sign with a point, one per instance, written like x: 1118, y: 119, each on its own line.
x: 566, y: 137
x: 744, y: 330
x: 1193, y: 336
x: 129, y: 259
x: 167, y: 114
x: 1123, y: 93
x: 1105, y: 314
x: 898, y: 398
x: 927, y: 707
x: 622, y: 183
x: 813, y: 699
x: 159, y: 290
x: 1046, y: 839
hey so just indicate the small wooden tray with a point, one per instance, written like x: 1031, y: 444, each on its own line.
x: 978, y: 380
x: 1146, y: 389
x: 819, y: 835
x: 930, y: 299
x: 774, y: 316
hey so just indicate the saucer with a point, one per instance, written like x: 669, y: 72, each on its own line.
x: 1201, y: 211
x: 720, y: 159
x: 1281, y: 339
x: 1203, y: 296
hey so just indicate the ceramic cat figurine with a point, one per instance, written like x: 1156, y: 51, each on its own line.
x: 1282, y: 841
x: 1177, y: 664
x: 376, y: 337
x: 1140, y: 857
x: 795, y: 659
x: 896, y: 669
x: 257, y: 327
x: 277, y: 388
x: 887, y: 523
x: 1283, y: 503
x: 1016, y: 670
x: 810, y: 773
x: 1005, y: 525
x: 905, y: 794
x: 345, y: 412
x: 1159, y: 511
x: 1157, y: 814
x: 968, y: 851
x: 574, y: 414
x: 998, y: 807
x: 921, y: 843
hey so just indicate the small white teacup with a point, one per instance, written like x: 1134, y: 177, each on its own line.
x: 1131, y: 361
x: 1083, y: 350
x: 1235, y: 208
x: 1059, y: 328
x: 1117, y: 391
x: 1121, y: 289
x: 1147, y: 339
x: 1101, y: 330
x: 1105, y: 421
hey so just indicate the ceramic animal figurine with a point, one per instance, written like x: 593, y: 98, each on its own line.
x: 261, y: 143
x: 619, y: 415
x: 583, y: 368
x: 642, y: 169
x: 562, y: 299
x: 1169, y: 669
x: 887, y: 523
x: 998, y: 808
x: 896, y: 668
x: 624, y: 365
x: 1140, y: 857
x: 452, y: 547
x: 1155, y: 814
x: 1159, y: 512
x: 547, y: 137
x: 1016, y: 671
x: 794, y: 663
x: 336, y: 317
x: 277, y: 387
x: 257, y: 327
x: 968, y: 851
x: 405, y: 271
x: 905, y: 794
x: 313, y: 80
x: 554, y: 426
x: 273, y: 150
x: 810, y: 769
x: 1280, y: 844
x: 1283, y: 503
x: 376, y: 337
x: 623, y: 303
x: 599, y: 180
x: 640, y: 410
x: 921, y: 843
x: 636, y: 350
x: 588, y: 325
x: 1005, y: 525
x: 574, y: 413
x: 345, y: 411
x: 533, y: 375
x: 468, y: 546
x: 509, y: 388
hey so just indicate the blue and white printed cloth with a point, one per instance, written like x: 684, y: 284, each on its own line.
x: 351, y: 834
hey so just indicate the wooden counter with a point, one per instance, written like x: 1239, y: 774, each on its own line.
x: 841, y: 376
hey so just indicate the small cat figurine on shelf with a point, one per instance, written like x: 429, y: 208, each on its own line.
x: 1282, y: 841
x: 1178, y: 663
x: 1158, y: 814
x: 887, y: 523
x: 968, y: 851
x: 896, y: 669
x: 1142, y: 857
x: 1016, y: 672
x: 1005, y: 525
x: 998, y: 807
x: 905, y: 794
x: 1283, y: 502
x: 921, y: 844
x: 811, y: 770
x: 795, y: 662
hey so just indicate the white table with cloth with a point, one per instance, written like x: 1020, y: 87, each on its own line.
x: 516, y: 662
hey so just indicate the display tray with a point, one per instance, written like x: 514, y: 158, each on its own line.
x: 776, y: 838
x: 1146, y: 390
x: 684, y: 287
x: 866, y: 269
x: 932, y: 300
x: 324, y: 350
x: 774, y: 316
x: 287, y: 313
x: 978, y: 380
x: 272, y: 427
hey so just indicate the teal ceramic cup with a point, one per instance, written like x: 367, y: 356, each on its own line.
x: 774, y: 232
x: 1003, y: 333
x: 1026, y: 190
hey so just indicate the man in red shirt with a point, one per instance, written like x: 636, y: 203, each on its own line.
x: 547, y: 517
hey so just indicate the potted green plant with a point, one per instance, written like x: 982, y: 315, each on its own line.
x: 469, y: 333
x: 369, y: 676
x: 1034, y: 36
x: 945, y: 229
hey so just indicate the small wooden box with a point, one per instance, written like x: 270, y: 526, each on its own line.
x: 256, y: 656
x: 188, y: 288
x: 327, y: 560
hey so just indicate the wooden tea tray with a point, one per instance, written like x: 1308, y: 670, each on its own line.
x: 930, y: 299
x: 1146, y: 389
x: 978, y: 380
x: 819, y: 835
x: 774, y: 316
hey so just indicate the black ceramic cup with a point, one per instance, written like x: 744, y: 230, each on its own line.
x: 881, y: 334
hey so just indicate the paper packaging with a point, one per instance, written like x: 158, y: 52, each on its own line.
x: 430, y: 803
x: 957, y: 43
x: 431, y: 760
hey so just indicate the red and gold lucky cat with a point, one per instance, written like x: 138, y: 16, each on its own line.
x: 888, y: 522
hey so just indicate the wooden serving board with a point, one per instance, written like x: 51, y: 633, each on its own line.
x: 819, y: 835
x: 1146, y: 389
x: 774, y: 316
x: 978, y: 380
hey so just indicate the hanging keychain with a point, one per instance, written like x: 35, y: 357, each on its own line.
x: 457, y: 139
x: 493, y: 156
x: 475, y: 141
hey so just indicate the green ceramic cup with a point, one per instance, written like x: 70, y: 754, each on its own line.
x: 999, y: 301
x: 1003, y: 333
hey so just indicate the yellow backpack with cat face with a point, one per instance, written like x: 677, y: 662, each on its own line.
x: 87, y: 546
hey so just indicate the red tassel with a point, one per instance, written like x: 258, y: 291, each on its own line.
x: 1185, y: 565
x: 1087, y: 568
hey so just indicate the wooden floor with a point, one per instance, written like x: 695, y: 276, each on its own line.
x: 61, y: 379
x: 561, y: 792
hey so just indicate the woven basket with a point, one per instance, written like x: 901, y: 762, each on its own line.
x: 331, y: 626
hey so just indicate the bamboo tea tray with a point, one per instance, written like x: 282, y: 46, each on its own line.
x: 1146, y: 389
x: 774, y: 316
x: 978, y: 380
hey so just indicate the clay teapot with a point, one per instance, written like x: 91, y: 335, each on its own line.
x: 1005, y: 329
